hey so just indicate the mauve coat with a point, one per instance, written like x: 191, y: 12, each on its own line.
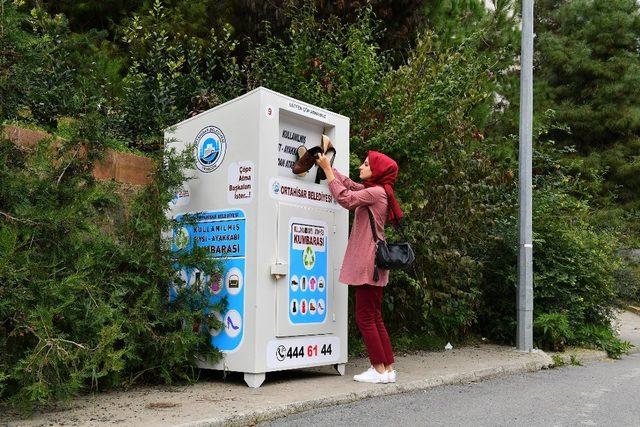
x: 358, y: 264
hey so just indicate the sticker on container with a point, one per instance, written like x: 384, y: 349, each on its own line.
x: 233, y: 281
x: 303, y: 351
x: 210, y: 149
x: 269, y: 111
x: 232, y: 323
x: 294, y: 283
x: 181, y: 197
x: 306, y: 110
x: 222, y: 235
x: 301, y: 193
x: 308, y: 257
x: 241, y: 183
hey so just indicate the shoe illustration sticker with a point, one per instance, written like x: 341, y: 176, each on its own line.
x: 308, y: 255
x: 232, y: 321
x: 222, y: 234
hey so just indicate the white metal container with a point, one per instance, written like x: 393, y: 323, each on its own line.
x: 281, y: 237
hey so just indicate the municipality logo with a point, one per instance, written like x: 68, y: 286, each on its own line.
x: 210, y: 148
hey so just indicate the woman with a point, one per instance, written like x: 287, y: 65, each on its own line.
x: 378, y: 173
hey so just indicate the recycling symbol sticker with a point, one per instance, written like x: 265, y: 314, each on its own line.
x: 309, y: 258
x: 181, y: 238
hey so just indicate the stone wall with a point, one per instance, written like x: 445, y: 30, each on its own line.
x: 125, y: 168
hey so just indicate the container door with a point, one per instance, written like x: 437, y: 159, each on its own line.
x: 305, y: 294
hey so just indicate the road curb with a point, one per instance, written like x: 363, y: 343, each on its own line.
x: 262, y: 415
x: 590, y: 356
x: 633, y: 309
x: 581, y: 356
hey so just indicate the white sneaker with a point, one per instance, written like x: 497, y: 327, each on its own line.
x: 391, y: 376
x: 372, y: 376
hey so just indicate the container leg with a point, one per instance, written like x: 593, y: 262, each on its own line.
x: 254, y: 380
x: 340, y: 367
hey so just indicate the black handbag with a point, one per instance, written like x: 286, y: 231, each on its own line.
x: 389, y: 256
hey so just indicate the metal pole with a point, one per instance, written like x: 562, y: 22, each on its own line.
x: 524, y: 337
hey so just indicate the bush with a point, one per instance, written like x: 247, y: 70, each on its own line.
x: 326, y: 63
x: 84, y: 282
x: 603, y: 338
x: 171, y: 76
x: 428, y: 116
x: 49, y: 72
x: 574, y: 261
x: 552, y: 331
x: 449, y: 186
x: 457, y: 188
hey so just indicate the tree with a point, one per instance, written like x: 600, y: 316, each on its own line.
x: 84, y: 15
x: 587, y: 68
x: 449, y: 19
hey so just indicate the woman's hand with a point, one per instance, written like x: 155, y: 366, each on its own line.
x: 323, y: 162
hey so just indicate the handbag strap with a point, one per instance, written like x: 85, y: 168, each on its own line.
x: 373, y: 225
x: 376, y: 275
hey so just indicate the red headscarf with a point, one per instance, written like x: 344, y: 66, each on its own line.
x: 384, y: 171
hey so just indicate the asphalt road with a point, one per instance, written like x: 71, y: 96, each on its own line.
x: 604, y: 393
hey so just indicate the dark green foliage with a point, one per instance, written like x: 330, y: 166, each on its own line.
x: 552, y: 331
x: 171, y: 76
x: 452, y: 19
x: 456, y: 187
x: 400, y: 20
x: 84, y: 282
x: 437, y: 105
x: 588, y: 70
x: 589, y: 60
x: 49, y: 72
x: 574, y: 262
x: 602, y: 337
x: 326, y: 63
x: 427, y: 115
x: 85, y: 15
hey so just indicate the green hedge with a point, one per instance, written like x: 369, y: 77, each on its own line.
x: 84, y: 278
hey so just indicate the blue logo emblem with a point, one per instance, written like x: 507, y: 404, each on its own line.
x: 210, y: 148
x: 276, y: 187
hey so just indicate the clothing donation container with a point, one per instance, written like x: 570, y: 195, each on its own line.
x: 279, y: 236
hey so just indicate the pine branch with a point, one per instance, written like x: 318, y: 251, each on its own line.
x: 13, y: 218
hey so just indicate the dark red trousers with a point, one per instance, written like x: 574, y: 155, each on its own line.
x: 369, y: 320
